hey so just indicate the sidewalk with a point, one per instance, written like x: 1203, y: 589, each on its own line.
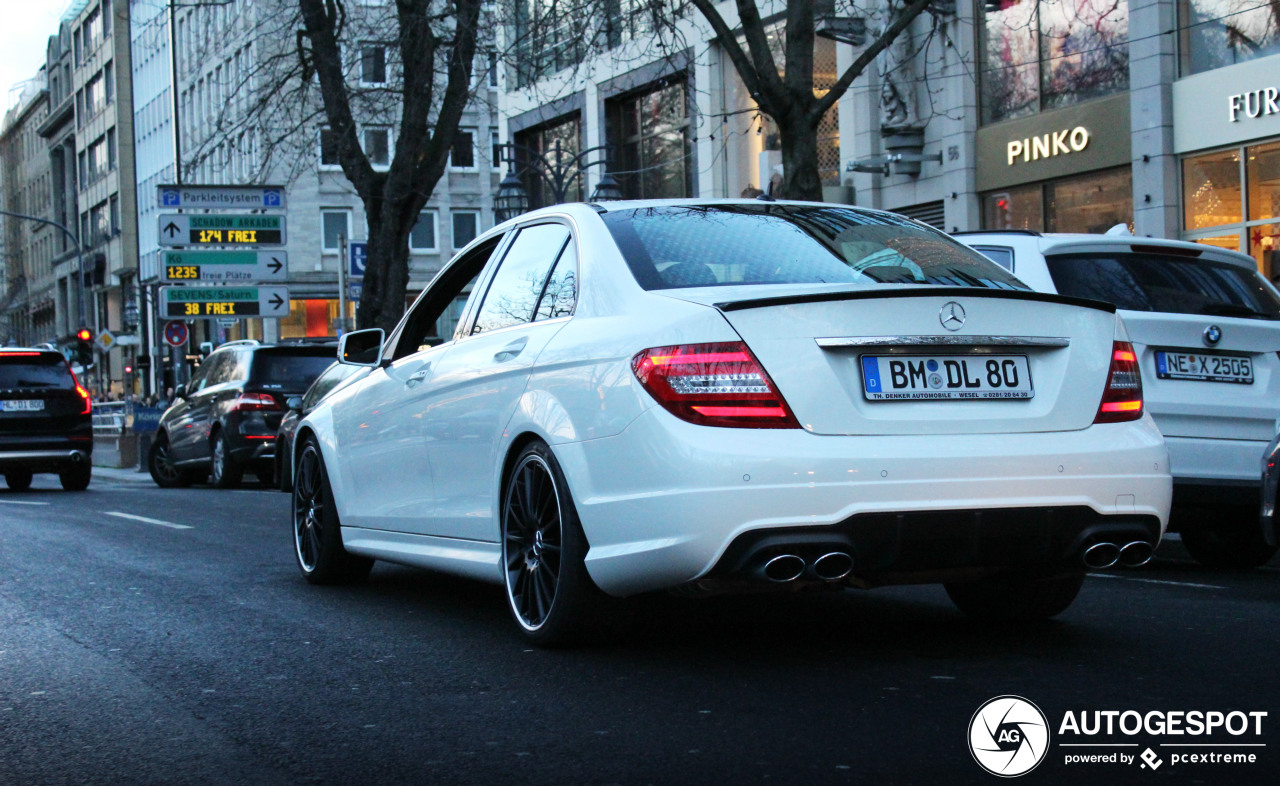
x: 129, y: 475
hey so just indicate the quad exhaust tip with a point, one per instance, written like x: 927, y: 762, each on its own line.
x: 833, y: 566
x: 784, y: 568
x: 1101, y: 556
x: 1136, y: 554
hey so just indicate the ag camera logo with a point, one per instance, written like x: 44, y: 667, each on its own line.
x: 1008, y: 736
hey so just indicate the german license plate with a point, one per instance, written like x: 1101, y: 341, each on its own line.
x: 1204, y: 367
x: 22, y: 405
x: 917, y: 377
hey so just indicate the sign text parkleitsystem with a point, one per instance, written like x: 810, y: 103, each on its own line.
x: 225, y: 197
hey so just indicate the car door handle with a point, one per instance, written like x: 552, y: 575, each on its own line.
x: 418, y: 376
x: 510, y: 351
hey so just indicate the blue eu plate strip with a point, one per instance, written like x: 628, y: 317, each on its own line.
x: 871, y: 375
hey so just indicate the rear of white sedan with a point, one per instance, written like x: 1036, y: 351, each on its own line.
x: 754, y: 395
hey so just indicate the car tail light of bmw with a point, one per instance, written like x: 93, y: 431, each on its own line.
x: 256, y: 402
x: 1122, y: 398
x: 718, y: 384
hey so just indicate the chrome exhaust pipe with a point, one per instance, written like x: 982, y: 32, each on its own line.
x: 783, y: 568
x: 833, y: 566
x: 1136, y: 554
x: 1100, y: 556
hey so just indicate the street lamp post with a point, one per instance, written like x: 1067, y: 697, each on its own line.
x: 558, y: 171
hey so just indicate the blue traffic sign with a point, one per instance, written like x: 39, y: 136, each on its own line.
x: 359, y: 255
x: 170, y: 197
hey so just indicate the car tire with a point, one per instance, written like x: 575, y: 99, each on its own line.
x: 1016, y: 597
x: 160, y: 465
x: 76, y: 477
x: 1233, y: 543
x: 550, y: 594
x: 224, y: 472
x: 317, y: 533
x: 18, y: 479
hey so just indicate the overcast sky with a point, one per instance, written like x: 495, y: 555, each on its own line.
x: 25, y: 27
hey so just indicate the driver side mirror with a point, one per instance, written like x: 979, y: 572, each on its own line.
x: 362, y: 347
x: 293, y: 403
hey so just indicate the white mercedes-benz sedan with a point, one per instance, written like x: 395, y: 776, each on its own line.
x: 605, y: 400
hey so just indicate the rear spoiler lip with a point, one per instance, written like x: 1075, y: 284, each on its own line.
x: 953, y: 292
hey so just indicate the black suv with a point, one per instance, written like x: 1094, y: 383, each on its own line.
x: 46, y: 419
x: 224, y: 421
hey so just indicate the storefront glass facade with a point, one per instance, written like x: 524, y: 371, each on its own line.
x: 1217, y: 33
x: 1091, y: 203
x: 1231, y: 199
x: 1037, y: 55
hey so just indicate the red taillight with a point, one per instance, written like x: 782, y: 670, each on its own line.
x: 19, y: 354
x: 84, y: 394
x: 713, y: 385
x: 255, y: 402
x: 1122, y: 398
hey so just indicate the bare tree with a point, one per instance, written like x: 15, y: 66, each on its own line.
x: 436, y: 42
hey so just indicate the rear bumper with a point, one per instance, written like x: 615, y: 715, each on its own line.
x: 43, y: 460
x: 1200, y: 461
x: 705, y: 488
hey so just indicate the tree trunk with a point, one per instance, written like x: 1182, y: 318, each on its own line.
x: 386, y: 280
x: 799, y: 138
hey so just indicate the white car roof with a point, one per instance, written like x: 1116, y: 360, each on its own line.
x: 1066, y: 243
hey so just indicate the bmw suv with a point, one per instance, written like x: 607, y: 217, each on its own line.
x: 1206, y: 328
x: 223, y: 422
x: 46, y: 419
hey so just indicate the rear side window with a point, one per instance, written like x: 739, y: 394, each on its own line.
x: 34, y: 370
x: 1001, y: 255
x: 518, y: 284
x: 725, y: 245
x: 1153, y: 282
x: 289, y: 370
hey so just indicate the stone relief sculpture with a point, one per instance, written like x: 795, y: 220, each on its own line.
x: 898, y: 111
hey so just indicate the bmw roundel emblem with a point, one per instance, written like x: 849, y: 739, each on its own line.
x: 1212, y: 335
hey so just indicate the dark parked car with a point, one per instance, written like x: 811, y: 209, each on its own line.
x: 1270, y: 480
x: 299, y: 407
x: 46, y: 420
x: 224, y: 421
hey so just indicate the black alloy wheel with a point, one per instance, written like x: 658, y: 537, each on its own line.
x: 317, y: 533
x: 18, y: 479
x: 160, y: 464
x: 225, y: 472
x: 543, y: 551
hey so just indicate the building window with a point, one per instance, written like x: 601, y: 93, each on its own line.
x: 329, y: 148
x: 1091, y: 203
x: 1231, y: 199
x: 651, y: 130
x: 111, y: 148
x: 1039, y: 54
x: 466, y: 225
x: 495, y: 149
x: 334, y: 224
x: 423, y: 235
x: 563, y: 134
x: 1217, y: 33
x: 109, y: 84
x: 377, y: 146
x: 493, y: 69
x: 373, y: 64
x: 549, y: 37
x: 115, y: 215
x: 463, y: 154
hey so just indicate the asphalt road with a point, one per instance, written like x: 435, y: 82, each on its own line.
x: 136, y: 652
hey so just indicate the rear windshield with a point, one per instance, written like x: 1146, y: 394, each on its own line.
x: 290, y: 369
x: 1153, y: 282
x: 726, y: 245
x: 35, y: 370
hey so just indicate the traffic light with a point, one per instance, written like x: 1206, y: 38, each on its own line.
x: 84, y: 347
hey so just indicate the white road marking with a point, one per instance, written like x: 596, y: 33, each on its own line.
x: 19, y: 502
x: 146, y: 520
x: 1156, y: 581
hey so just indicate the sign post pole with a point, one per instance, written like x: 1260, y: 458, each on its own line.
x: 342, y: 285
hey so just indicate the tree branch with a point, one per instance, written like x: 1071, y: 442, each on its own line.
x: 869, y: 54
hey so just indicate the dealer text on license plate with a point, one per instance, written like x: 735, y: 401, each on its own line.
x: 917, y: 377
x: 1204, y: 367
x: 22, y: 405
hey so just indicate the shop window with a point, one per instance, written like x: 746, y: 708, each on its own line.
x: 1091, y: 203
x: 1231, y: 199
x: 1263, y: 176
x: 1217, y: 33
x: 651, y: 131
x: 1040, y: 54
x: 1211, y: 194
x: 312, y: 318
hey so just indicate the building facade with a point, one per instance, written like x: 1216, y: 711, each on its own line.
x: 28, y: 300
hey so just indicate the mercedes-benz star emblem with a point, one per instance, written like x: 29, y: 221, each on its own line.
x: 1212, y: 335
x: 952, y: 315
